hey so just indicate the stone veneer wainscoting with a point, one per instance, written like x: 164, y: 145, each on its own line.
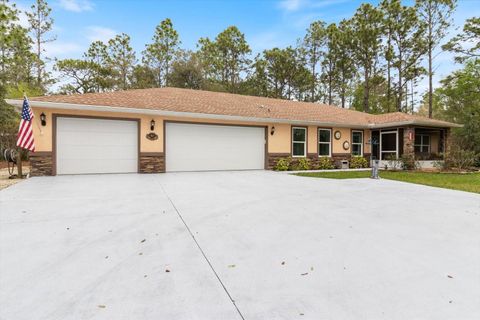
x: 152, y: 162
x: 41, y: 163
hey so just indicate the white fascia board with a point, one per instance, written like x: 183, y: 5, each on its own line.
x: 166, y: 113
x: 412, y: 122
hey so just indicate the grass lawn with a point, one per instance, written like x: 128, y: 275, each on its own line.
x: 466, y: 182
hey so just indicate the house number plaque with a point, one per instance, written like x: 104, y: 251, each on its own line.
x: 152, y: 136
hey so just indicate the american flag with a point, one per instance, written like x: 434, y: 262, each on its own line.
x: 25, y: 132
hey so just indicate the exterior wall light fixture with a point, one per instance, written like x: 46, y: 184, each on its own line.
x: 43, y: 119
x: 152, y: 125
x: 272, y: 131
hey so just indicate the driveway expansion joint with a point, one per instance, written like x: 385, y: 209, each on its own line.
x: 203, y: 253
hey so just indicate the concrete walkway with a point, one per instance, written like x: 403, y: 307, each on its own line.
x: 233, y: 245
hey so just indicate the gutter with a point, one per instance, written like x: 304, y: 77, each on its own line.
x: 414, y: 122
x: 195, y: 115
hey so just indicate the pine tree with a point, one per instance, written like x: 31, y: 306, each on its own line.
x: 466, y: 45
x: 159, y: 54
x: 366, y: 24
x: 435, y: 14
x: 121, y: 58
x: 225, y: 58
x: 408, y: 46
x: 313, y: 44
x: 40, y: 25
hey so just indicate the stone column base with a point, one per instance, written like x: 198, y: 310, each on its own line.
x: 151, y: 162
x: 41, y: 163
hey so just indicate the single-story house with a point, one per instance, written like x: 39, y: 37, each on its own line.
x: 171, y: 129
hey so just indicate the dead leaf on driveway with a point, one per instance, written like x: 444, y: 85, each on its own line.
x: 102, y: 306
x: 231, y: 266
x: 304, y: 274
x: 450, y: 276
x: 166, y: 270
x: 283, y: 263
x: 143, y: 240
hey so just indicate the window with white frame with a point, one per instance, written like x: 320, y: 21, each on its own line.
x: 324, y: 142
x: 422, y: 143
x: 357, y: 143
x: 299, y: 142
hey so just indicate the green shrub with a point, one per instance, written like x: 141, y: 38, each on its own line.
x: 393, y: 161
x: 301, y: 164
x: 408, y: 162
x: 283, y: 164
x: 358, y: 162
x: 325, y: 163
x: 460, y: 159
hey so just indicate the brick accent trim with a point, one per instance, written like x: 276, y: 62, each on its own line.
x: 41, y: 164
x: 151, y: 162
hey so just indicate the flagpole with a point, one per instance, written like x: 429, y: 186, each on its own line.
x: 19, y: 163
x: 19, y: 155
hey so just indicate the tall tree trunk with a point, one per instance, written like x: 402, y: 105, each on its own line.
x: 389, y: 81
x: 430, y: 69
x: 314, y: 83
x: 400, y: 92
x: 411, y: 91
x: 39, y: 49
x: 366, y: 93
x: 330, y: 90
x: 400, y: 84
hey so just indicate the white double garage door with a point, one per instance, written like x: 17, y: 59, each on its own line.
x: 87, y: 145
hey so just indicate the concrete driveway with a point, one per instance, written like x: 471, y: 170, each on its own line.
x: 233, y: 245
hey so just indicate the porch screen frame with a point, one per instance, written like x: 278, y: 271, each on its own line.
x: 388, y: 151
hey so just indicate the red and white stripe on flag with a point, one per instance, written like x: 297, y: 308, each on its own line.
x: 25, y: 138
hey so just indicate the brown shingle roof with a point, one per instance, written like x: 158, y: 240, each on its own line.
x: 227, y: 104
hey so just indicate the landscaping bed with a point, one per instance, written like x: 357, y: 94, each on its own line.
x: 5, y: 180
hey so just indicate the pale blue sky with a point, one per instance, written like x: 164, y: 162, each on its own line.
x: 266, y: 23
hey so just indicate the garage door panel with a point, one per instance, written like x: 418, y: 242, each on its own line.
x: 95, y: 152
x: 99, y: 138
x: 198, y: 147
x: 96, y: 146
x: 83, y: 167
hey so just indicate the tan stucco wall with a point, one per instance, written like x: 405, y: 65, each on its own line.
x: 312, y: 139
x: 43, y: 135
x: 280, y: 142
x: 338, y: 144
x: 367, y: 134
x: 434, y: 142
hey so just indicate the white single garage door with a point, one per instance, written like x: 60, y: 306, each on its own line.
x: 96, y: 146
x: 199, y: 147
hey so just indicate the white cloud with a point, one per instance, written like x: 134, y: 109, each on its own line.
x: 98, y: 33
x: 296, y: 5
x: 267, y: 40
x: 291, y: 5
x: 76, y: 5
x: 58, y: 49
